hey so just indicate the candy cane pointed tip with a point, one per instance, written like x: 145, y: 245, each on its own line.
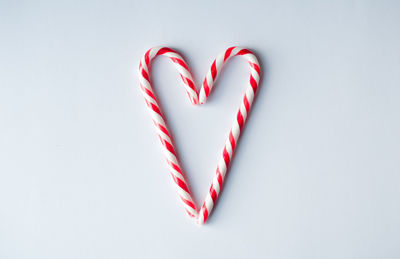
x: 200, y: 219
x: 199, y: 223
x: 202, y: 97
x: 195, y: 101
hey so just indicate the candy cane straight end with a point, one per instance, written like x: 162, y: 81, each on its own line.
x: 198, y: 97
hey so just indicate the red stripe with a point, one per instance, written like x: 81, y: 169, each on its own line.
x: 188, y: 82
x: 180, y: 62
x: 219, y: 178
x: 165, y: 50
x: 189, y: 203
x: 206, y: 88
x: 145, y: 75
x: 246, y: 103
x: 228, y: 53
x: 154, y: 108
x: 148, y: 92
x: 244, y: 52
x: 168, y: 146
x: 205, y: 212
x: 213, y: 193
x: 147, y: 58
x: 194, y: 100
x: 163, y: 129
x: 232, y: 140
x: 225, y: 154
x: 174, y: 166
x: 214, y: 70
x: 240, y: 119
x: 256, y: 67
x: 253, y: 83
x: 190, y: 214
x: 180, y: 183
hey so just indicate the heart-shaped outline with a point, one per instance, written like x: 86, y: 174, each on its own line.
x: 196, y: 98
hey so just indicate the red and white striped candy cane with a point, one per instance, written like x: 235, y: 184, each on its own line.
x: 159, y: 121
x: 163, y: 132
x: 237, y: 126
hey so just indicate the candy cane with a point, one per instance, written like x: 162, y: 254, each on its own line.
x: 196, y: 98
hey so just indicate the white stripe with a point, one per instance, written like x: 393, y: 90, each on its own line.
x: 228, y: 147
x: 250, y: 94
x: 153, y: 53
x: 222, y: 167
x: 243, y: 112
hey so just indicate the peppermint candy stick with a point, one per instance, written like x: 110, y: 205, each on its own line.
x: 238, y: 124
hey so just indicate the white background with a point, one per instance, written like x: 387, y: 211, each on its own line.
x: 317, y: 172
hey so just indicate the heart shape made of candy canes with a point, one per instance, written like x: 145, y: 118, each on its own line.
x: 198, y: 98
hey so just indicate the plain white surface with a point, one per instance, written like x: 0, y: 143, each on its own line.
x: 317, y: 172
